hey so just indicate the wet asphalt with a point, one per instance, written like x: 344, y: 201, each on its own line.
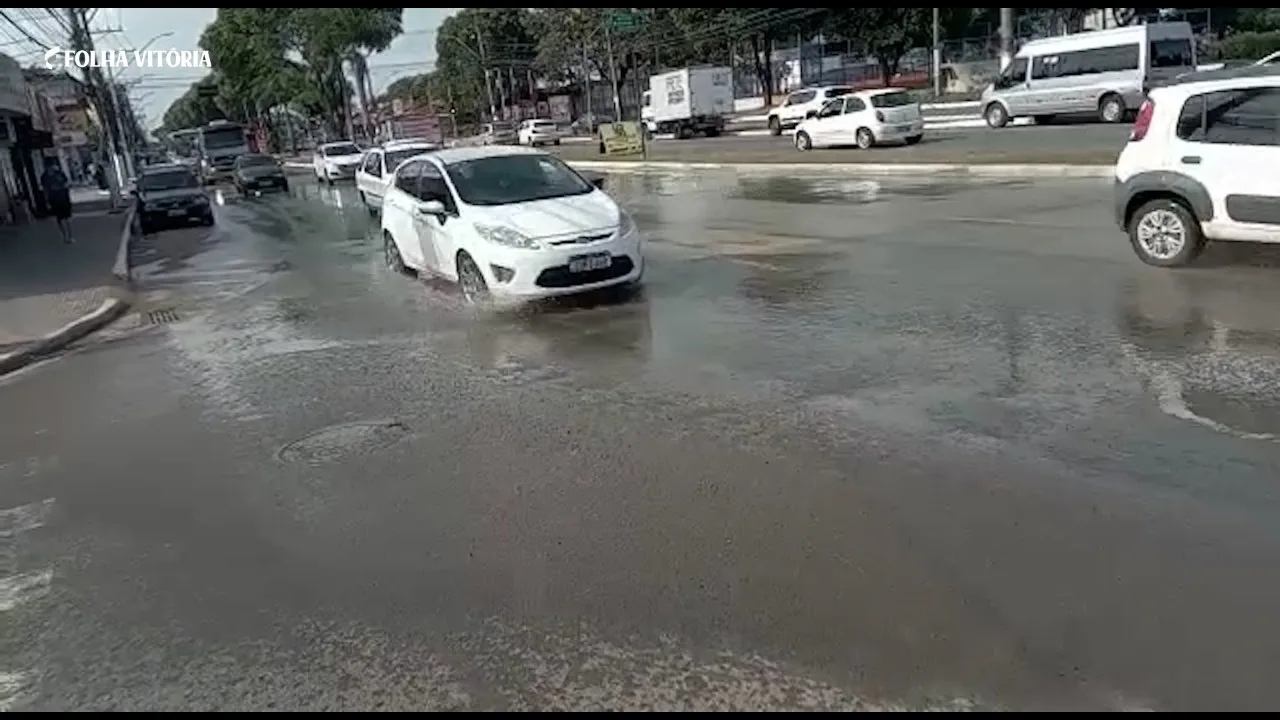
x: 858, y: 445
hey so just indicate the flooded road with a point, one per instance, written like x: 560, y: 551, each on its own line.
x: 858, y: 445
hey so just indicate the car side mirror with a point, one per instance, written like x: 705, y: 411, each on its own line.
x: 811, y: 114
x: 431, y: 207
x: 598, y: 182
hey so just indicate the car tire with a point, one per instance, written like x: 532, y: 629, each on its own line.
x: 996, y: 116
x: 1111, y: 108
x: 391, y: 254
x: 557, y: 141
x: 914, y: 139
x: 804, y: 143
x: 471, y: 281
x: 775, y: 126
x: 1165, y: 233
x: 864, y: 138
x: 207, y: 220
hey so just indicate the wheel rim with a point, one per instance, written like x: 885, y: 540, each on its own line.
x: 1111, y: 111
x: 864, y: 139
x: 1162, y: 234
x: 995, y: 115
x: 473, y: 285
x: 802, y: 141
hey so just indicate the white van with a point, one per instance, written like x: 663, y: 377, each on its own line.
x: 1105, y: 72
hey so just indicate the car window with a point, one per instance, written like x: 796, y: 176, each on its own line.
x: 507, y: 179
x: 433, y: 187
x: 854, y: 105
x: 1248, y: 116
x: 891, y: 100
x: 407, y: 177
x: 802, y: 97
x: 837, y: 92
x: 372, y: 163
x: 395, y: 157
x: 167, y: 180
x: 1014, y: 74
x: 255, y: 161
x: 830, y: 108
x: 1171, y: 53
x: 341, y: 150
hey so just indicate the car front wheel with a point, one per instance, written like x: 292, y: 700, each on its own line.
x: 1164, y: 233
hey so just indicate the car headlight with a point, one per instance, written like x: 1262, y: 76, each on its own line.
x: 626, y: 224
x: 506, y: 236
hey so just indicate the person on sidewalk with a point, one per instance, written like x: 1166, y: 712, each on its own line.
x: 57, y: 192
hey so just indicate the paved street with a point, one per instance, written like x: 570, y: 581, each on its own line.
x: 860, y: 444
x: 1074, y: 144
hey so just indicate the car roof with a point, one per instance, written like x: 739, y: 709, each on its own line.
x: 873, y: 92
x: 1236, y: 73
x: 408, y: 145
x: 336, y: 143
x: 452, y: 156
x: 163, y: 167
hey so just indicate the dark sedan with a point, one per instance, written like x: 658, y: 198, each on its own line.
x: 257, y: 172
x: 171, y: 194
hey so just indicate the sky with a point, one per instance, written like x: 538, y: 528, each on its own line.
x: 153, y: 91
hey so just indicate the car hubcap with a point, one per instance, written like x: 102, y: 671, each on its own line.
x: 473, y: 287
x: 390, y: 253
x: 1111, y: 111
x: 1162, y: 234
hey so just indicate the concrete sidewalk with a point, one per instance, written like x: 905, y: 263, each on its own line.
x: 45, y: 284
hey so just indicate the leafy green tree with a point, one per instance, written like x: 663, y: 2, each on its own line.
x: 193, y: 108
x: 476, y: 40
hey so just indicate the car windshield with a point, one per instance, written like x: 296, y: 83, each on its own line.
x: 167, y: 180
x: 257, y: 161
x: 395, y: 157
x: 544, y: 125
x: 224, y: 138
x: 509, y: 179
x: 499, y: 127
x: 837, y: 92
x: 342, y: 150
x: 891, y: 100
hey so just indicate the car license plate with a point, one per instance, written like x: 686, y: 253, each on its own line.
x: 586, y: 263
x: 904, y: 128
x: 177, y: 213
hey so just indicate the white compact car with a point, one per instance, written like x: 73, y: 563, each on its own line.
x: 798, y: 105
x: 539, y: 132
x: 1201, y: 165
x: 865, y: 119
x: 379, y: 167
x: 336, y: 161
x: 507, y: 224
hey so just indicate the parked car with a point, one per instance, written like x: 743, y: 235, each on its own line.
x: 498, y: 133
x: 170, y: 194
x: 539, y: 132
x: 797, y: 106
x: 257, y: 172
x: 379, y: 167
x: 336, y: 161
x: 866, y: 118
x: 508, y: 224
x: 1200, y: 165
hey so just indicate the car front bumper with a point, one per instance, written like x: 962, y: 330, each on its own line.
x: 522, y: 275
x: 161, y: 216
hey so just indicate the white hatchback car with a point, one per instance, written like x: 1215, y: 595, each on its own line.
x: 508, y: 224
x: 379, y: 167
x: 539, y: 132
x: 866, y: 119
x: 336, y: 161
x: 1201, y: 165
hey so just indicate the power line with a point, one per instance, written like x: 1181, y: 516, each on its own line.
x: 4, y: 15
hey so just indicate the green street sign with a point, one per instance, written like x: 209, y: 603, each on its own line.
x: 624, y: 20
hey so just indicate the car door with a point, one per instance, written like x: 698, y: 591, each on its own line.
x: 850, y: 119
x: 823, y: 126
x: 436, y: 233
x: 399, y: 210
x: 369, y: 179
x: 1229, y: 141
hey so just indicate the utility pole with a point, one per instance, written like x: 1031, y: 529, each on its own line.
x: 586, y: 81
x: 937, y: 55
x: 613, y: 74
x: 103, y: 97
x: 488, y: 89
x: 1006, y: 37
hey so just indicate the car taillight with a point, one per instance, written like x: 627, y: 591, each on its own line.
x: 1143, y: 122
x: 879, y: 116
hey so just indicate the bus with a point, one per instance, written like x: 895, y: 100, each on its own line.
x: 220, y: 143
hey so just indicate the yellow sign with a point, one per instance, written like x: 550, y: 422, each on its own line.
x: 621, y: 138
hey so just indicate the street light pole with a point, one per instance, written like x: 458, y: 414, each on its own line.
x: 937, y: 55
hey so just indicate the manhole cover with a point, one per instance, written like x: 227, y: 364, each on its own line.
x: 338, y: 441
x: 163, y: 316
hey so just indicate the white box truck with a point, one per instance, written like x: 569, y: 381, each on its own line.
x: 688, y: 101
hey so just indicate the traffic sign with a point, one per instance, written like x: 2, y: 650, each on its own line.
x: 624, y: 21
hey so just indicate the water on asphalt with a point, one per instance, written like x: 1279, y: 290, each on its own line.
x: 858, y: 444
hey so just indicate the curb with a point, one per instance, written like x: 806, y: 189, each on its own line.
x: 121, y: 268
x: 862, y: 169
x: 111, y: 310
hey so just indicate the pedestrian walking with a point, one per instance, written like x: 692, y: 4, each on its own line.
x: 57, y: 192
